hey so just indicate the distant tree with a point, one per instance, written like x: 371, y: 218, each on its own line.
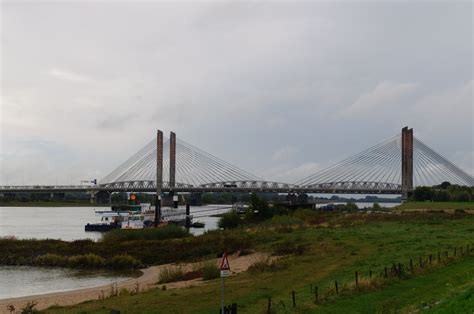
x: 444, y: 185
x: 423, y: 193
x: 207, y: 198
x: 229, y: 220
x: 463, y: 196
x: 351, y: 206
x: 259, y: 207
x: 441, y: 196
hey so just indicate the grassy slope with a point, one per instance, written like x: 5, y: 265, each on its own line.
x: 336, y: 253
x: 436, y: 205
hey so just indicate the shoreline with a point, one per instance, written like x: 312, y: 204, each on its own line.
x: 146, y: 281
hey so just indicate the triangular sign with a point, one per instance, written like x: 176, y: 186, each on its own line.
x: 225, y: 263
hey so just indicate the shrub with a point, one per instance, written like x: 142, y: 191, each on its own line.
x: 29, y: 308
x: 123, y: 262
x: 86, y: 261
x: 265, y: 264
x: 171, y: 274
x: 285, y: 223
x: 162, y: 233
x: 51, y: 260
x: 376, y: 206
x: 289, y: 247
x: 210, y: 271
x: 229, y: 220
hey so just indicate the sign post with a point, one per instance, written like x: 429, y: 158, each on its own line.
x: 225, y: 271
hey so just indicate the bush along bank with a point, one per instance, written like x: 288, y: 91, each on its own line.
x: 139, y: 252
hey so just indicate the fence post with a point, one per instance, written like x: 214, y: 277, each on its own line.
x: 269, y: 309
x: 385, y: 271
x: 294, y: 299
x: 446, y: 253
x: 430, y: 259
x: 399, y: 269
x: 439, y: 258
x: 411, y: 265
x: 455, y: 252
x: 316, y: 294
x: 370, y: 274
x: 357, y: 279
x: 421, y: 263
x: 234, y: 308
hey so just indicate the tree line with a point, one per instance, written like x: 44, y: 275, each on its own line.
x: 445, y: 192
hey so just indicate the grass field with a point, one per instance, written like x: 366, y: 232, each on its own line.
x: 335, y: 249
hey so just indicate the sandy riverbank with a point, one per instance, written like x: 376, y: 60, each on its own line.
x: 146, y: 281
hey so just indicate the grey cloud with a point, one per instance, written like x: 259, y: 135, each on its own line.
x: 241, y: 80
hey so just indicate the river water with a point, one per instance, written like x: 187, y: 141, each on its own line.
x: 67, y: 223
x: 19, y: 281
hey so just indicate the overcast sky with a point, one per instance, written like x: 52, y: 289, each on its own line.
x: 268, y: 86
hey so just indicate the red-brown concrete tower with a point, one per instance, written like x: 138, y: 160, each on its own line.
x: 407, y: 162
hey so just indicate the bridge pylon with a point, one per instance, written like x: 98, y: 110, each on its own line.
x: 407, y: 162
x: 159, y: 175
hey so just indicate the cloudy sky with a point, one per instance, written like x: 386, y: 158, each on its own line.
x: 268, y: 86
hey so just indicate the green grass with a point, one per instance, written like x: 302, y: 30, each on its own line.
x: 436, y: 205
x: 462, y: 302
x: 351, y: 242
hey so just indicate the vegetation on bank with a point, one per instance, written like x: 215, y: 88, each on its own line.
x: 437, y: 205
x: 445, y: 192
x: 147, y: 247
x: 88, y: 261
x: 335, y: 246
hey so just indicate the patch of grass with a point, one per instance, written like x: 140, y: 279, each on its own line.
x: 289, y: 247
x: 283, y: 223
x: 210, y: 271
x: 267, y: 265
x: 171, y: 274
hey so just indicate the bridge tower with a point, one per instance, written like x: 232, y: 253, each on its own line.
x: 407, y: 162
x: 172, y: 159
x: 159, y: 175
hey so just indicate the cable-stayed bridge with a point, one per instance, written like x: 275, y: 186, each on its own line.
x: 394, y: 166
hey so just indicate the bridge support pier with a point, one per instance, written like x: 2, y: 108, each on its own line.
x: 159, y: 175
x: 92, y: 199
x: 407, y: 162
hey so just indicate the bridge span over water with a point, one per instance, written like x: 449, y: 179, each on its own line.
x: 394, y: 166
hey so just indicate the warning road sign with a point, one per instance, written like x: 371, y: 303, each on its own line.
x: 225, y: 266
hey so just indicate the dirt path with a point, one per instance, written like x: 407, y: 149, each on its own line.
x: 146, y: 281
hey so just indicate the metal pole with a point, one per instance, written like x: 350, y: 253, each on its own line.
x: 222, y: 296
